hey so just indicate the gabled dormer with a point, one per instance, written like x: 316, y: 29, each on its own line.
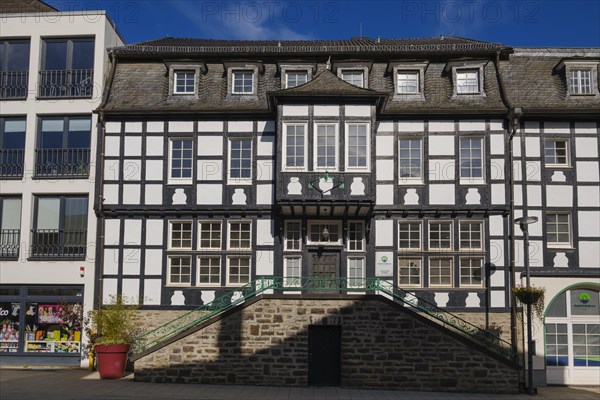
x: 580, y: 76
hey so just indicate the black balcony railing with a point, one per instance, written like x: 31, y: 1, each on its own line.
x: 75, y: 83
x: 55, y: 243
x: 62, y: 163
x: 9, y: 243
x: 12, y: 162
x: 13, y: 84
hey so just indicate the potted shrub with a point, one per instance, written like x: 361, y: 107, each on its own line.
x: 113, y: 327
x: 531, y: 295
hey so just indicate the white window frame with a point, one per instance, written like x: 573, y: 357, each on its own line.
x: 408, y: 72
x: 336, y: 167
x: 236, y: 71
x: 362, y: 242
x: 470, y: 276
x: 183, y: 71
x: 463, y: 89
x: 351, y: 278
x: 367, y: 166
x: 169, y: 276
x: 576, y: 81
x: 451, y: 259
x: 229, y: 266
x: 284, y: 156
x: 292, y: 280
x: 567, y: 162
x: 449, y: 223
x: 361, y: 71
x: 295, y: 71
x: 239, y: 180
x: 180, y: 180
x: 410, y: 180
x: 322, y: 224
x: 287, y: 241
x: 410, y: 276
x: 420, y: 224
x: 574, y: 86
x: 229, y: 230
x: 470, y: 180
x: 569, y: 224
x: 170, y: 244
x: 470, y: 240
x: 200, y: 230
x: 198, y: 266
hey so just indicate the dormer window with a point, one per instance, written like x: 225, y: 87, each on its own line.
x: 580, y: 81
x: 185, y: 82
x: 408, y: 82
x: 467, y: 77
x: 242, y: 79
x: 243, y: 82
x: 295, y: 78
x: 184, y: 79
x: 467, y: 81
x: 353, y: 77
x: 581, y: 76
x: 408, y: 79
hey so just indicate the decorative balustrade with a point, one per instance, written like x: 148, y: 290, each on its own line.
x: 14, y: 84
x: 10, y: 242
x: 12, y: 163
x: 58, y: 243
x: 326, y: 185
x: 62, y: 163
x: 75, y: 83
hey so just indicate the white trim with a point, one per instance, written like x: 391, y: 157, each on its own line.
x: 336, y: 146
x: 367, y: 166
x: 481, y: 235
x: 363, y: 247
x: 184, y: 71
x: 169, y: 259
x: 567, y: 163
x: 363, y: 71
x: 559, y: 245
x: 234, y: 180
x: 362, y: 271
x: 169, y: 244
x: 451, y: 259
x: 203, y: 256
x: 420, y: 260
x: 228, y: 275
x: 472, y: 180
x: 234, y: 71
x: 311, y: 223
x: 284, y: 166
x: 460, y: 275
x: 410, y: 180
x: 285, y: 267
x: 178, y: 181
x: 285, y: 232
x: 443, y: 222
x: 420, y: 223
x: 295, y: 71
x: 199, y: 246
x: 249, y: 248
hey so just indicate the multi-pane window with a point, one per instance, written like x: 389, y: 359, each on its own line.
x: 586, y: 345
x: 209, y: 236
x: 296, y: 78
x: 353, y: 77
x: 324, y: 232
x: 238, y: 270
x: 293, y: 271
x: 292, y: 235
x: 240, y: 159
x: 240, y: 233
x: 556, y: 152
x: 409, y: 159
x: 409, y: 272
x: 243, y: 82
x: 10, y: 226
x: 581, y: 81
x: 356, y: 236
x: 295, y: 146
x: 471, y: 235
x: 356, y: 271
x: 209, y: 270
x: 12, y: 146
x: 181, y: 163
x: 408, y: 82
x: 471, y: 165
x: 471, y: 271
x: 557, y: 345
x: 467, y: 81
x: 440, y: 235
x: 326, y: 147
x: 181, y: 235
x: 440, y: 271
x: 14, y: 68
x: 185, y: 82
x: 357, y: 146
x: 558, y: 229
x: 180, y: 270
x: 67, y: 68
x: 409, y: 235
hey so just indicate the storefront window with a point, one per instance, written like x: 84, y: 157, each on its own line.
x: 9, y: 331
x: 51, y: 328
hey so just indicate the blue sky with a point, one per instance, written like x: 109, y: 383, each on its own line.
x: 556, y: 23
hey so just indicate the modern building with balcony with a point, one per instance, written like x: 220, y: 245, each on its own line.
x: 52, y: 72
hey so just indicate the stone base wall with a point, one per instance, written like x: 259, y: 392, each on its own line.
x: 382, y: 346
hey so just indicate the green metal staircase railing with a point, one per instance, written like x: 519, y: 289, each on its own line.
x: 154, y: 338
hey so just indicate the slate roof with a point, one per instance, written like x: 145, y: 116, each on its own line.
x: 24, y: 6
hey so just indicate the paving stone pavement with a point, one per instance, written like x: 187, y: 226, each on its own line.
x: 79, y: 384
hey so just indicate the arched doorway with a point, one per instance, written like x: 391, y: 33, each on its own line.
x: 572, y: 337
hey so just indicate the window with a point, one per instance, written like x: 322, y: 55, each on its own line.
x: 295, y: 146
x: 356, y: 236
x: 471, y: 271
x: 182, y: 158
x: 14, y: 68
x: 240, y: 160
x: 586, y: 345
x: 556, y: 152
x: 209, y: 271
x: 240, y: 235
x: 356, y: 272
x: 324, y: 232
x: 357, y: 147
x: 181, y: 235
x: 63, y: 148
x: 185, y: 82
x: 353, y: 77
x: 67, y: 68
x: 557, y: 345
x: 471, y: 235
x: 408, y: 82
x: 409, y: 272
x: 60, y: 227
x: 293, y: 235
x: 12, y: 147
x: 10, y: 226
x: 409, y: 235
x: 467, y: 81
x: 210, y: 235
x: 326, y: 147
x: 440, y: 271
x: 243, y: 82
x: 558, y: 229
x: 180, y: 270
x: 296, y: 78
x: 410, y: 159
x: 293, y: 271
x: 581, y: 81
x: 239, y: 270
x: 440, y: 235
x: 471, y: 165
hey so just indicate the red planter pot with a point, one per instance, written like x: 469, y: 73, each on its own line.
x: 112, y: 359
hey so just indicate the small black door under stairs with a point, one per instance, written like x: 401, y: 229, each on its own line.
x: 324, y: 355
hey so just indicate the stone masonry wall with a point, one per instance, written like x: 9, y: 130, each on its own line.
x: 383, y: 346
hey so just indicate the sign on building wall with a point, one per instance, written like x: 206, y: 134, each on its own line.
x: 384, y: 264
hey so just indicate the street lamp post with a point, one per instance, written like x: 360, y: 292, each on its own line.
x: 523, y: 223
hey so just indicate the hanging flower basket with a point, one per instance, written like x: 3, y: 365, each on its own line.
x: 531, y: 295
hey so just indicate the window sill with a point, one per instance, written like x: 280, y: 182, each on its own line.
x: 57, y: 258
x: 566, y: 246
x: 182, y: 182
x: 178, y: 285
x: 244, y: 182
x: 559, y: 166
x: 471, y: 182
x: 408, y: 182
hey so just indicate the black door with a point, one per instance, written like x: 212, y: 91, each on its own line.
x: 324, y: 354
x: 324, y: 271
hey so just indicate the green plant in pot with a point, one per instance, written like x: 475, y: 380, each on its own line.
x: 112, y: 329
x: 531, y: 295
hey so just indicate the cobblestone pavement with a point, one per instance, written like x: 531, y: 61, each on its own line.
x: 79, y: 384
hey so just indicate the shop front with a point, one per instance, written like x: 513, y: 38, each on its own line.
x: 40, y: 324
